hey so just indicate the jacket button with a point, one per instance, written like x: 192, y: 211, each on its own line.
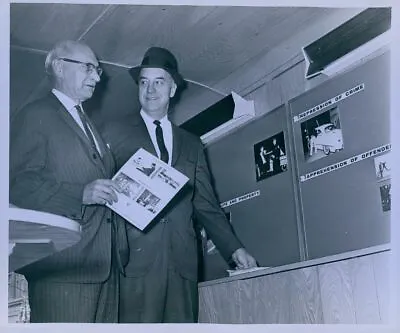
x: 94, y: 156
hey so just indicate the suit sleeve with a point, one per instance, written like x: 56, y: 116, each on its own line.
x: 209, y: 213
x: 32, y: 183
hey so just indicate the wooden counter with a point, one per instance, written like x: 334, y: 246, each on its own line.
x: 348, y: 288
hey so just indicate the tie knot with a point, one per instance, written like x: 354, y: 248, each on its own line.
x: 156, y: 122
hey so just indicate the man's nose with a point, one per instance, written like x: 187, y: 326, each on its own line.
x: 151, y: 87
x: 96, y: 76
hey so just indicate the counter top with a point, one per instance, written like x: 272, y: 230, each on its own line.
x: 299, y: 265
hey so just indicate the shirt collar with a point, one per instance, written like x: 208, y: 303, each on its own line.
x: 65, y: 100
x: 150, y: 121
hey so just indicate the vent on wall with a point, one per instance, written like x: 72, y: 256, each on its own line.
x: 348, y: 41
x: 227, y: 114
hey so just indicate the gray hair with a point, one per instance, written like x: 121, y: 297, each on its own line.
x: 61, y: 49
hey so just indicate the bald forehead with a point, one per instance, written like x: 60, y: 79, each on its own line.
x: 82, y: 53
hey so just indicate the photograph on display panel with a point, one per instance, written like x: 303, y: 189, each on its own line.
x: 270, y: 156
x: 382, y: 166
x: 386, y: 198
x: 322, y: 135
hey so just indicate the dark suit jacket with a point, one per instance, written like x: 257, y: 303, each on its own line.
x: 51, y: 160
x: 197, y: 197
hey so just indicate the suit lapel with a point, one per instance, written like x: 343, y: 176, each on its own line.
x: 176, y: 144
x: 67, y: 118
x: 143, y: 136
x: 108, y: 163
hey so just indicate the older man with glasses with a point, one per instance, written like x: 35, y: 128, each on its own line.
x: 60, y: 164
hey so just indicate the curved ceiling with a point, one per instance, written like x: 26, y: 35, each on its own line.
x: 209, y: 42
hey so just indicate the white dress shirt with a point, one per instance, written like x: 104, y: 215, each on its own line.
x: 69, y: 105
x: 167, y: 133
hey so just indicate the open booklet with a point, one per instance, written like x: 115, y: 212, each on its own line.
x: 148, y: 184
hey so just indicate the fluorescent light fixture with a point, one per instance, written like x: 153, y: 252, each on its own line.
x: 352, y: 57
x: 244, y: 111
x: 359, y: 53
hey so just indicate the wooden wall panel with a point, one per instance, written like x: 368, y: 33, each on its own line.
x: 305, y: 297
x: 281, y: 88
x: 272, y: 294
x: 292, y: 82
x: 266, y: 98
x: 364, y: 290
x: 278, y: 90
x: 381, y: 268
x: 336, y: 293
x: 206, y: 306
x: 347, y: 291
x: 220, y: 304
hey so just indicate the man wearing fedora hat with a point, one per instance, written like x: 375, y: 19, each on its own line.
x: 161, y: 276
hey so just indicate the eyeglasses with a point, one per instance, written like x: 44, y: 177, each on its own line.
x: 90, y: 68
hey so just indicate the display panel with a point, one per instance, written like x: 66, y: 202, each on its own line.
x: 261, y: 203
x: 341, y: 135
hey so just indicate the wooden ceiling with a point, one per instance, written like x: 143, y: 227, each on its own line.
x: 209, y: 42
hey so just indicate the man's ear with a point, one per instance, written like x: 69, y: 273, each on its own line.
x: 57, y: 67
x: 173, y: 90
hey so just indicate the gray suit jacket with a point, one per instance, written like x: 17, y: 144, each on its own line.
x: 196, y: 199
x: 51, y: 160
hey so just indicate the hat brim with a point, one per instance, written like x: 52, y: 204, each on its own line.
x: 179, y: 81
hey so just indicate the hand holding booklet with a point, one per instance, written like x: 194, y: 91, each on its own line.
x: 148, y: 185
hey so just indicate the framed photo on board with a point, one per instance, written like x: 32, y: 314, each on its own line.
x: 270, y: 156
x: 322, y: 135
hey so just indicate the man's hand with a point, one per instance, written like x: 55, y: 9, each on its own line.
x: 243, y: 259
x: 100, y: 191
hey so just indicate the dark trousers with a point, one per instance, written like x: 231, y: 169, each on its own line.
x: 160, y: 296
x: 52, y: 302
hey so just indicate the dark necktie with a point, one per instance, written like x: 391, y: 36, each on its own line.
x: 160, y: 141
x: 86, y: 126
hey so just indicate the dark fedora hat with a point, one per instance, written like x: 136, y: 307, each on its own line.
x: 158, y: 57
